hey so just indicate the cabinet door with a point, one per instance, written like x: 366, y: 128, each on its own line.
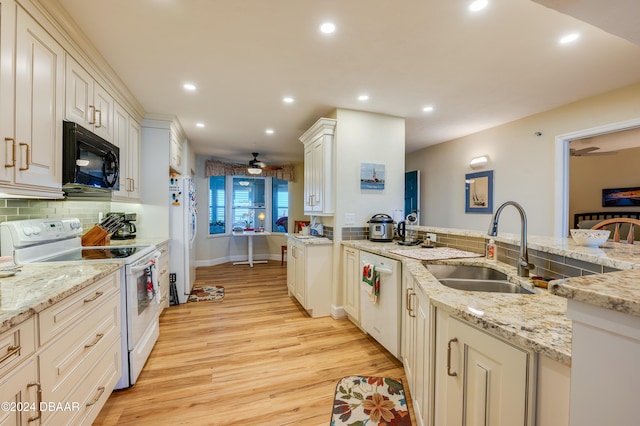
x: 291, y: 268
x: 351, y: 275
x: 422, y: 355
x: 39, y: 104
x: 308, y: 178
x: 121, y: 140
x: 408, y: 328
x: 79, y: 106
x: 317, y: 197
x: 7, y: 43
x: 20, y: 390
x: 134, y: 159
x: 491, y: 378
x: 104, y: 106
x: 301, y: 281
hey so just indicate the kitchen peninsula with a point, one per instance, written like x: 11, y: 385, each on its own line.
x: 537, y: 325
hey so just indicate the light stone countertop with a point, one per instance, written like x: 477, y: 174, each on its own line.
x: 534, y: 321
x: 38, y: 286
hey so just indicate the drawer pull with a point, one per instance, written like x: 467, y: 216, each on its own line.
x: 11, y: 350
x: 449, y: 372
x: 95, y: 341
x: 39, y: 400
x: 97, y: 397
x: 94, y: 297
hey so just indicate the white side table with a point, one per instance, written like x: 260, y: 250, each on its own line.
x: 249, y: 235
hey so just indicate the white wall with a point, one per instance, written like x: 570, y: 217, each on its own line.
x: 523, y: 163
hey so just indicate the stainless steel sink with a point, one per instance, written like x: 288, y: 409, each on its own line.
x: 474, y: 278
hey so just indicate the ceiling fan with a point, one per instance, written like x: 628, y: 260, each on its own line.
x: 589, y: 152
x: 256, y: 166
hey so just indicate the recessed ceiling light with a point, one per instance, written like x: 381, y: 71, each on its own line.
x: 199, y: 124
x: 427, y: 109
x: 569, y: 38
x: 363, y: 97
x: 269, y: 131
x: 189, y: 86
x: 327, y: 27
x: 478, y: 5
x: 287, y: 99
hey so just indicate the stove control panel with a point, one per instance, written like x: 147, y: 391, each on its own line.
x: 35, y: 231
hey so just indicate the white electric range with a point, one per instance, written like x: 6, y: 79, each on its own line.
x: 59, y: 240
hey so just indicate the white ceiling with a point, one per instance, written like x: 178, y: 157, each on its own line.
x: 477, y: 70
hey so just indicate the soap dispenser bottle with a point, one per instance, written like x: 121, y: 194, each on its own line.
x: 491, y: 251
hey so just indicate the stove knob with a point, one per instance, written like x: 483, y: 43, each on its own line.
x: 36, y: 230
x: 27, y: 230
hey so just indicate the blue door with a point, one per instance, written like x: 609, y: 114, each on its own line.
x: 412, y: 193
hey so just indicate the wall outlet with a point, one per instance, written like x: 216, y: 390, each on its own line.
x: 349, y: 218
x: 432, y: 237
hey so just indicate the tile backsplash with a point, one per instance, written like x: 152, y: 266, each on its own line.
x: 21, y: 208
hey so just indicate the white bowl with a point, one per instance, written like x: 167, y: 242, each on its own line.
x: 590, y: 237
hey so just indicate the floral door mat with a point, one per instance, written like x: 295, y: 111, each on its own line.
x: 438, y: 253
x: 365, y: 400
x: 200, y: 294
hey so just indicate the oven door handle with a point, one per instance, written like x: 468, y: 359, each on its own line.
x: 156, y: 256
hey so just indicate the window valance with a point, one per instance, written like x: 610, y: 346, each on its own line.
x: 219, y: 168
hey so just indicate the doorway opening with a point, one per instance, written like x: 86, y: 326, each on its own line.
x: 562, y: 157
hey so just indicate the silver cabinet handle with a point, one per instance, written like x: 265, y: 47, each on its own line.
x: 92, y: 120
x: 449, y: 372
x: 95, y: 341
x: 94, y: 297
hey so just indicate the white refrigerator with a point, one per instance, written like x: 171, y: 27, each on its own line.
x: 182, y: 219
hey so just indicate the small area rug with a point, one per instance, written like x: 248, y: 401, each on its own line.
x: 365, y: 400
x: 200, y: 294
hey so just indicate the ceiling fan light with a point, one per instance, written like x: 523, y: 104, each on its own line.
x: 254, y: 170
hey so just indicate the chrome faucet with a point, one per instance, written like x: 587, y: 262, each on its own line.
x: 523, y: 262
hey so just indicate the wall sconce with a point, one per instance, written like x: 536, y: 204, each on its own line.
x: 478, y: 162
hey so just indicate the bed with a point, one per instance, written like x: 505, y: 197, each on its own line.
x: 588, y: 220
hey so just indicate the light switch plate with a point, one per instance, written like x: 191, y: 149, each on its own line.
x: 349, y: 218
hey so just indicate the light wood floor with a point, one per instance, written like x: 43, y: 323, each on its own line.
x: 254, y: 358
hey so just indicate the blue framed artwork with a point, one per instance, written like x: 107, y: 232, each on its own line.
x: 478, y: 192
x: 621, y: 197
x: 372, y: 176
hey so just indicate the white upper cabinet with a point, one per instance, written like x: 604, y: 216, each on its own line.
x: 88, y: 104
x: 126, y: 136
x: 318, y: 167
x: 177, y: 144
x: 33, y: 96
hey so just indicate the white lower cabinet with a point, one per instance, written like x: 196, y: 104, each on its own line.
x: 480, y: 379
x: 416, y: 346
x: 310, y: 276
x: 68, y: 377
x: 351, y: 277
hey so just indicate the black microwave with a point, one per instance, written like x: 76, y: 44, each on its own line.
x: 90, y: 164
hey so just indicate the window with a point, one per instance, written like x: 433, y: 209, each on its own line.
x: 217, y: 196
x: 280, y: 205
x: 247, y: 202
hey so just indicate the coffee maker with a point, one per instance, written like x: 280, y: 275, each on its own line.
x: 128, y: 229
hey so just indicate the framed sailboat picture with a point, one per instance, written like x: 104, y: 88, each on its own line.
x: 478, y: 192
x: 371, y: 176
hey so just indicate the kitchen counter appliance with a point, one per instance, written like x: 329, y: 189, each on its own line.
x: 59, y: 240
x: 128, y: 229
x: 381, y: 227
